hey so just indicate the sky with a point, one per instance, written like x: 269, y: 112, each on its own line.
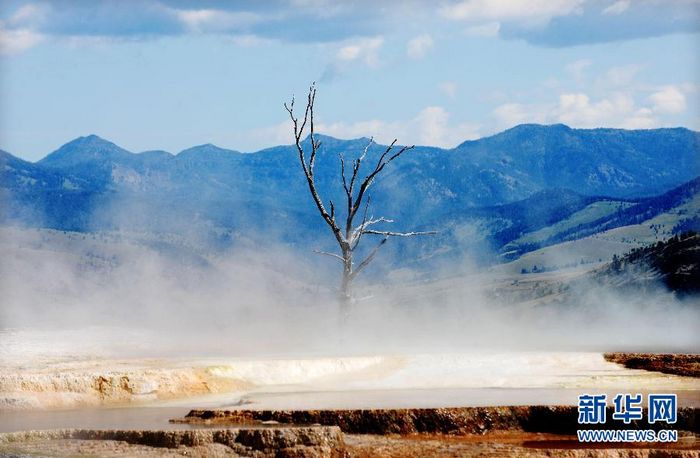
x: 156, y: 74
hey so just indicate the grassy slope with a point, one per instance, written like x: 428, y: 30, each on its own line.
x: 590, y: 213
x: 589, y: 251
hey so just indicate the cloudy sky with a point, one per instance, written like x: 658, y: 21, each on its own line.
x: 156, y: 74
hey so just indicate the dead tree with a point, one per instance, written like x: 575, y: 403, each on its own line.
x: 347, y: 233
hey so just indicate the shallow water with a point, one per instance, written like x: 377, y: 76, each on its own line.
x: 156, y: 417
x: 95, y: 418
x: 286, y: 399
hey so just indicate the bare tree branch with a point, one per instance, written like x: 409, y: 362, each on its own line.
x: 342, y: 174
x: 359, y: 230
x: 358, y: 162
x: 355, y: 237
x: 369, y: 258
x: 349, y: 190
x: 314, y: 144
x: 333, y: 255
x: 381, y: 163
x: 379, y: 220
x: 309, y: 169
x: 399, y: 234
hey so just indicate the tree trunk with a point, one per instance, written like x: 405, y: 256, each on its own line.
x: 346, y: 285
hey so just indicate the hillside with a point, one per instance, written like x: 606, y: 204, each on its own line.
x: 582, y: 217
x: 675, y: 211
x: 675, y: 262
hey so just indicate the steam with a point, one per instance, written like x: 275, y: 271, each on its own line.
x: 173, y: 295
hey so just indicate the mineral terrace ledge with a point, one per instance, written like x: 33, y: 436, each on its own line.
x: 287, y: 441
x: 687, y: 365
x: 451, y: 421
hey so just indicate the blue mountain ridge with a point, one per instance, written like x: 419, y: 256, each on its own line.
x: 531, y: 175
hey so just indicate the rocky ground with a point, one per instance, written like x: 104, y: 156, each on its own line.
x: 288, y: 441
x: 676, y: 364
x: 483, y: 432
x: 521, y: 431
x: 500, y: 444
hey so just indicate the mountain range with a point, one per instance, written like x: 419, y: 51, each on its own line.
x: 520, y: 190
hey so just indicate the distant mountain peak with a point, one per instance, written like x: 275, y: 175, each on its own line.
x: 206, y: 149
x: 331, y: 143
x: 529, y: 128
x: 90, y: 148
x: 91, y: 139
x: 534, y: 125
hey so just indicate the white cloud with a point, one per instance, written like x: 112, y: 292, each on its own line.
x: 350, y: 52
x: 17, y: 40
x: 643, y: 118
x: 432, y: 123
x: 211, y: 20
x: 615, y: 100
x: 510, y: 114
x: 419, y: 46
x: 488, y: 30
x: 577, y: 109
x: 668, y: 100
x: 366, y: 50
x: 449, y: 88
x: 526, y: 11
x: 618, y: 7
x: 431, y: 126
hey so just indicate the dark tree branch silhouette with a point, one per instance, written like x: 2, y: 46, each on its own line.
x: 347, y: 234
